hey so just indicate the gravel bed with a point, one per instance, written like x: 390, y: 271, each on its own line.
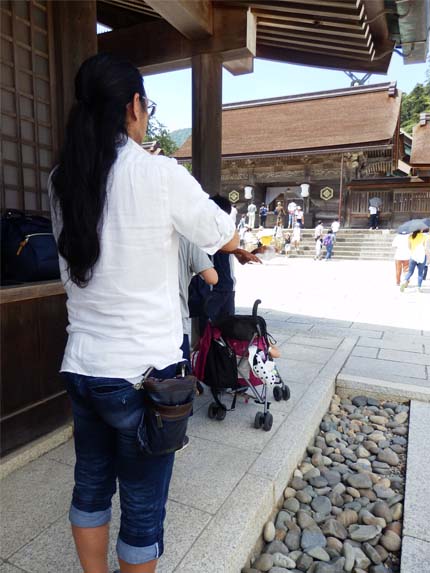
x: 342, y: 510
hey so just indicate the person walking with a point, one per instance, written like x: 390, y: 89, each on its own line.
x: 401, y: 256
x: 280, y: 214
x: 233, y: 214
x: 373, y: 217
x: 120, y: 274
x: 328, y: 243
x: 291, y: 208
x: 318, y: 237
x: 299, y: 216
x: 335, y: 226
x: 252, y: 209
x: 417, y: 242
x: 297, y: 235
x: 263, y: 215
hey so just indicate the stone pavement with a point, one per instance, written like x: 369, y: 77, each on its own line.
x: 330, y: 319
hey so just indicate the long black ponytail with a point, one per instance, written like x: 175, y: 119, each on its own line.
x: 96, y: 127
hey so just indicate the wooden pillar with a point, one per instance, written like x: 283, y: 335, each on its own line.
x: 207, y: 121
x: 75, y: 41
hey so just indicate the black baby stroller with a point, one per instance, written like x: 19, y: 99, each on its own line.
x: 234, y: 354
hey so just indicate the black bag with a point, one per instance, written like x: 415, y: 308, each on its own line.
x: 168, y: 405
x: 221, y: 366
x: 198, y: 293
x: 28, y: 249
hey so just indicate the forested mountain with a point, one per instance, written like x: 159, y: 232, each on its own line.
x: 413, y: 104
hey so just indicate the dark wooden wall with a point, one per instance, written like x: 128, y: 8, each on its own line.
x: 33, y: 337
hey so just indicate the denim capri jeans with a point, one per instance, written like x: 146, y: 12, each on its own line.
x: 106, y: 413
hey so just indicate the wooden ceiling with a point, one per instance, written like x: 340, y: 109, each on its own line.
x: 341, y: 34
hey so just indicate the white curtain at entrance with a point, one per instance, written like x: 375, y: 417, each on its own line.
x: 290, y: 193
x: 273, y: 192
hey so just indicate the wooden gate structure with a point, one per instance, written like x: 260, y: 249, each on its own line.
x: 43, y: 43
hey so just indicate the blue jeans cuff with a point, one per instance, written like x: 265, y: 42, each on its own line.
x: 89, y: 519
x: 137, y: 555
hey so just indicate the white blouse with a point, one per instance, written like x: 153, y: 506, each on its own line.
x: 128, y: 317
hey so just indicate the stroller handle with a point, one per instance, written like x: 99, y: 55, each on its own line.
x: 255, y: 307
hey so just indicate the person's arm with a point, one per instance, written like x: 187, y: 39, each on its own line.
x: 231, y: 245
x: 244, y: 256
x: 210, y: 276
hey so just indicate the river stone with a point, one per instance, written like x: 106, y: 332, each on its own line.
x: 269, y: 532
x: 349, y: 554
x: 330, y: 438
x: 336, y: 499
x: 359, y: 401
x: 298, y: 483
x: 389, y: 457
x: 321, y: 504
x: 292, y: 540
x: 359, y: 481
x: 318, y: 553
x: 317, y: 459
x: 283, y: 516
x: 360, y: 558
x: 372, y: 554
x: 318, y: 482
x: 304, y: 519
x: 382, y: 552
x: 383, y: 492
x: 303, y: 496
x: 391, y: 541
x: 312, y: 473
x: 376, y: 436
x: 353, y: 492
x: 369, y: 519
x: 381, y: 509
x: 277, y: 547
x: 313, y: 537
x: 339, y: 488
x: 347, y: 517
x: 399, y: 440
x: 397, y: 511
x: 264, y: 562
x: 363, y: 532
x: 292, y: 505
x: 280, y: 534
x: 380, y: 569
x: 289, y: 492
x: 401, y: 417
x: 280, y: 560
x: 304, y: 562
x: 333, y: 528
x: 362, y: 452
x: 395, y: 526
x: 400, y: 431
x: 381, y: 420
x: 334, y: 544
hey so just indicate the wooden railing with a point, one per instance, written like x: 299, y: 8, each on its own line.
x: 411, y: 202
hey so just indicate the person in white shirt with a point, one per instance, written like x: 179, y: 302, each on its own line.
x: 401, y: 256
x: 297, y: 235
x: 233, y: 214
x: 318, y: 236
x: 335, y: 226
x: 291, y: 208
x: 252, y: 209
x: 117, y: 215
x: 373, y: 217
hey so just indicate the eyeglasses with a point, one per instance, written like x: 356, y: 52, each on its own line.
x: 151, y: 107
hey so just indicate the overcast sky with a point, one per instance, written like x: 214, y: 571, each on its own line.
x: 172, y: 91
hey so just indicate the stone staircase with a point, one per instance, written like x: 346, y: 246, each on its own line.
x: 352, y: 244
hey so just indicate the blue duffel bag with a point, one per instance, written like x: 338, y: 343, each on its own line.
x: 28, y: 249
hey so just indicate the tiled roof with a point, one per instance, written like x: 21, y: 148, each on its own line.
x: 350, y: 117
x: 420, y: 155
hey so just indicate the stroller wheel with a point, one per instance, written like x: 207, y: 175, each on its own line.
x: 286, y: 393
x: 258, y: 420
x: 212, y: 410
x: 277, y: 393
x: 221, y: 414
x: 268, y: 422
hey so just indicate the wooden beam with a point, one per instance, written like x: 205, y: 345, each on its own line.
x: 207, y: 121
x: 324, y: 60
x: 240, y: 67
x: 193, y: 19
x: 75, y: 41
x: 157, y: 47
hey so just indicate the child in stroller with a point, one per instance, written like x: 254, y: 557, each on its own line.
x: 236, y: 353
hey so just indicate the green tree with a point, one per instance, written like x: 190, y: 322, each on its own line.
x: 413, y: 104
x: 159, y: 132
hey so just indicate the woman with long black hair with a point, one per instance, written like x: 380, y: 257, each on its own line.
x: 117, y: 214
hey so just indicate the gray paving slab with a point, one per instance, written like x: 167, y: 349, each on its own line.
x: 8, y: 568
x: 338, y: 331
x: 315, y: 340
x: 225, y: 543
x: 305, y: 319
x: 64, y: 454
x: 402, y: 356
x: 204, y: 463
x: 237, y: 430
x: 384, y: 369
x: 297, y: 370
x: 365, y: 352
x: 32, y: 498
x: 417, y: 493
x: 415, y: 556
x: 402, y: 390
x: 309, y: 354
x: 388, y: 330
x: 393, y: 343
